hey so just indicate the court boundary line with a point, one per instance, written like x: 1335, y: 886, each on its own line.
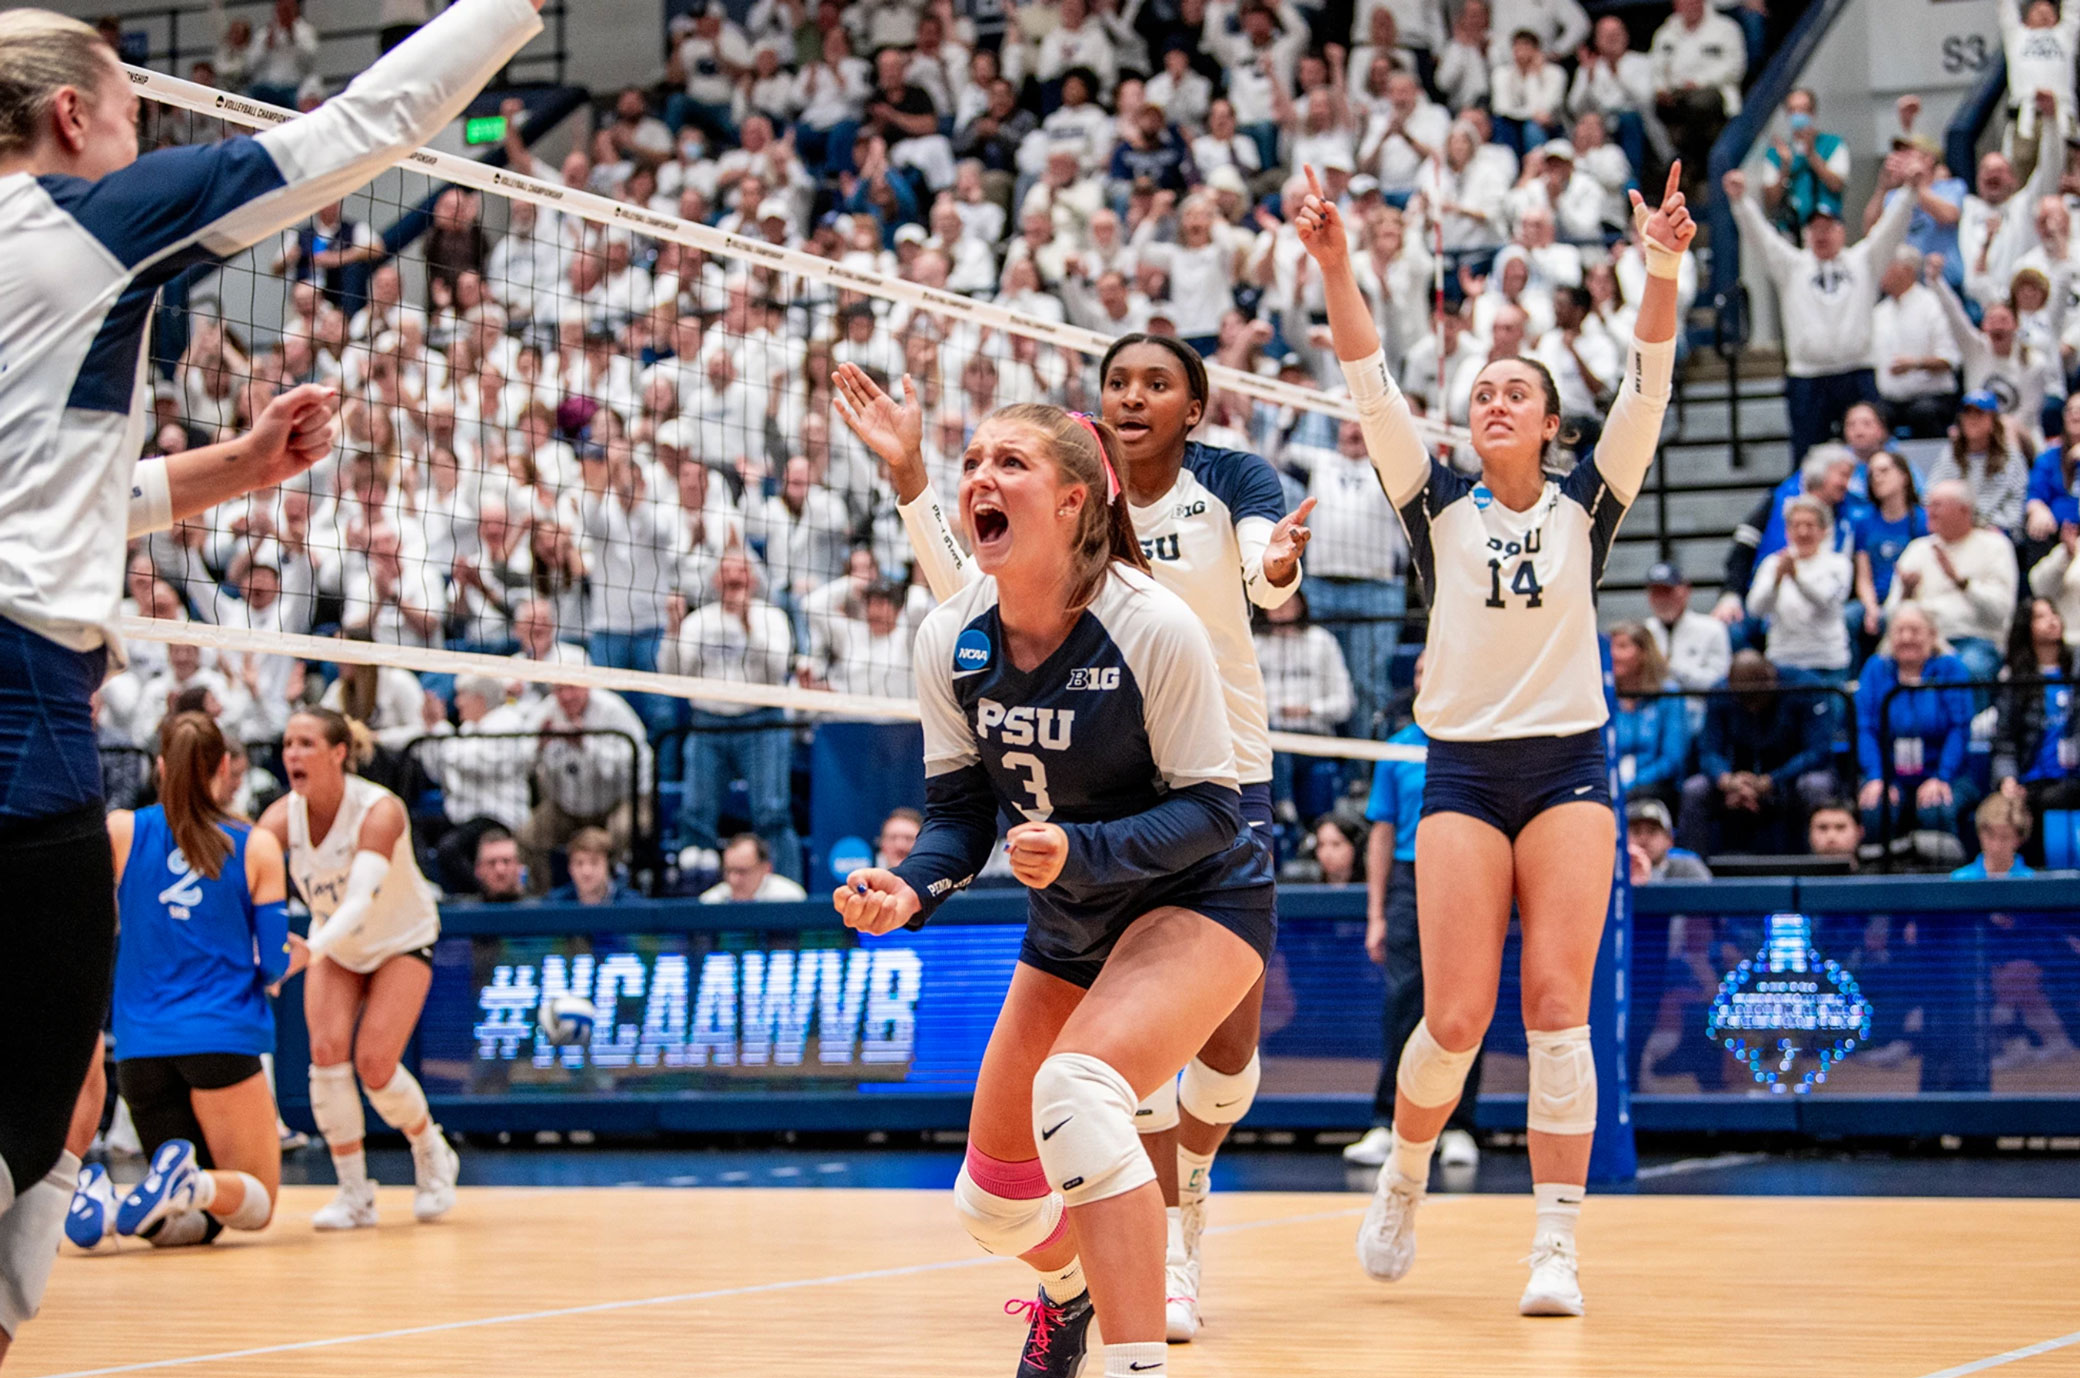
x: 2012, y: 1356
x: 634, y: 1303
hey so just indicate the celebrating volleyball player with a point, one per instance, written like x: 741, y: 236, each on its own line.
x: 1067, y: 687
x: 1213, y: 525
x: 205, y: 934
x: 373, y: 925
x: 92, y: 230
x: 1515, y: 800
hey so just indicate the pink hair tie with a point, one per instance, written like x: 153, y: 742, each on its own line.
x: 1111, y: 478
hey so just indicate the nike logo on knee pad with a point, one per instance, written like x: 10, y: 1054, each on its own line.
x: 1224, y: 1104
x: 1047, y: 1134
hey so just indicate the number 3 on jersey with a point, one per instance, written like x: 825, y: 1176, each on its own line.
x: 1042, y: 807
x: 1524, y: 581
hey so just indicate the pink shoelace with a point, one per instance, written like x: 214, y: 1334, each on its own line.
x: 1041, y: 1316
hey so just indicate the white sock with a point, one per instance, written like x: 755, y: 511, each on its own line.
x: 1194, y: 1175
x: 1064, y: 1283
x: 431, y: 1131
x: 205, y: 1191
x: 352, y: 1168
x: 1136, y: 1360
x: 1173, y: 1220
x: 1411, y: 1158
x: 1559, y: 1207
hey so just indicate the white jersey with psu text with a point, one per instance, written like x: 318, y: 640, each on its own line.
x: 402, y: 917
x: 1513, y: 649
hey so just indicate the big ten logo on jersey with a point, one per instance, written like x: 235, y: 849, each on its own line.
x: 186, y: 890
x: 1162, y: 548
x: 1098, y: 677
x: 1523, y: 581
x: 1025, y: 725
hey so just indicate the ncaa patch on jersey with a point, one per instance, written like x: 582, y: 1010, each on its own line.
x: 972, y: 652
x: 1482, y: 498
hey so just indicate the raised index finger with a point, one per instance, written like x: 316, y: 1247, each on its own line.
x: 1315, y: 186
x: 1675, y: 181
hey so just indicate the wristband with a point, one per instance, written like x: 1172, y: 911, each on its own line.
x: 1662, y: 261
x: 151, y: 498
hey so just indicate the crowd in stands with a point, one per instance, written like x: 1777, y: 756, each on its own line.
x: 569, y: 441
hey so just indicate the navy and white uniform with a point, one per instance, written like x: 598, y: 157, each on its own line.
x: 85, y: 264
x: 1512, y: 695
x: 196, y: 954
x: 1120, y: 739
x: 1205, y: 541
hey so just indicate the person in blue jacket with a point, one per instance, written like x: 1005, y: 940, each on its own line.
x: 1653, y: 733
x: 2054, y: 480
x: 1920, y: 735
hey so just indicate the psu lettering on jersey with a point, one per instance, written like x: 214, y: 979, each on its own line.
x: 1162, y: 548
x: 1098, y: 677
x: 972, y: 652
x: 1025, y: 725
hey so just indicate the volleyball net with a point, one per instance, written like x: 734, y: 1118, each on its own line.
x: 588, y: 441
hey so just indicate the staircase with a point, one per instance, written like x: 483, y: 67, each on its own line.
x: 1697, y: 494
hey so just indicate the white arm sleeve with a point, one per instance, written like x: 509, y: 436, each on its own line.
x: 1390, y: 428
x: 364, y: 879
x: 1182, y: 708
x: 151, y: 499
x: 1632, y: 431
x: 949, y: 742
x: 947, y: 568
x: 1252, y: 538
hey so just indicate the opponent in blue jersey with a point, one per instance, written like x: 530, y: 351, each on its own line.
x: 1213, y: 526
x: 1516, y: 802
x: 92, y: 231
x: 205, y: 938
x: 1068, y: 689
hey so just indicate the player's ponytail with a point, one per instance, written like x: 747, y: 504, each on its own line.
x: 191, y: 748
x: 1086, y: 451
x: 41, y: 54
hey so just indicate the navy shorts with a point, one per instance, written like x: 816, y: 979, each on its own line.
x: 1506, y: 784
x: 1240, y: 898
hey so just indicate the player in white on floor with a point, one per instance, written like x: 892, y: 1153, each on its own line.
x: 1213, y: 526
x: 1068, y: 687
x: 373, y: 926
x: 1515, y: 799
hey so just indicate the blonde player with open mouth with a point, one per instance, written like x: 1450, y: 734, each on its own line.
x: 1516, y: 801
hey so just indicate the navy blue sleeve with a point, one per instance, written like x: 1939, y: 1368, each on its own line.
x: 165, y: 200
x: 1586, y: 485
x: 1243, y: 481
x: 960, y: 826
x: 1184, y: 828
x: 1445, y: 487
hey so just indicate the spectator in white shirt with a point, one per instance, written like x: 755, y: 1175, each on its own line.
x: 747, y: 875
x: 2040, y: 41
x: 1802, y: 590
x: 1585, y: 363
x: 591, y: 759
x: 481, y: 765
x: 1462, y: 68
x: 1963, y: 575
x: 740, y: 638
x: 282, y: 61
x: 1697, y: 645
x: 1184, y: 95
x: 1527, y: 94
x: 1559, y: 27
x: 1609, y: 77
x: 1917, y: 357
x: 1399, y: 138
x: 708, y: 63
x: 1266, y: 49
x: 1699, y: 57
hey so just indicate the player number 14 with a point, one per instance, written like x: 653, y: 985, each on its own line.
x: 1524, y: 581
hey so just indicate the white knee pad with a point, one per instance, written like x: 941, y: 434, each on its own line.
x: 1219, y: 1097
x: 30, y: 1228
x: 1429, y: 1075
x: 336, y: 1104
x: 1083, y: 1120
x: 1563, y: 1082
x: 255, y: 1211
x: 399, y: 1100
x: 1158, y: 1110
x: 1004, y: 1225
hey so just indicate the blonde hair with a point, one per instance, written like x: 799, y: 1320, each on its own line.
x: 41, y: 54
x: 1997, y: 808
x: 1653, y: 665
x: 1082, y: 450
x: 341, y: 730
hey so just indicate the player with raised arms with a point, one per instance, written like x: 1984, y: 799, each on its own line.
x: 202, y: 896
x: 1068, y: 688
x: 1516, y: 801
x: 93, y: 230
x: 1213, y: 525
x: 373, y: 926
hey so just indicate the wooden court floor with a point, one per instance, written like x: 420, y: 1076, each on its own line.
x: 766, y: 1283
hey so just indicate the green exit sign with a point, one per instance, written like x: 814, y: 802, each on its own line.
x: 484, y: 129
